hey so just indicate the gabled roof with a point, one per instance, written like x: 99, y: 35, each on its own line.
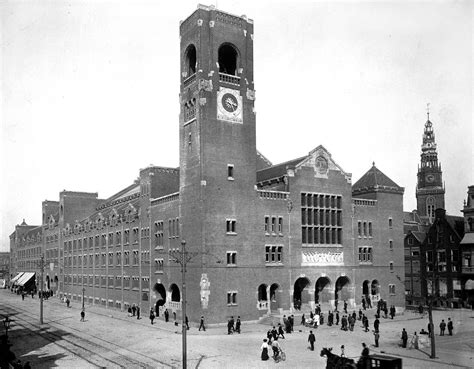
x: 262, y: 161
x: 376, y: 181
x: 420, y: 236
x: 277, y: 171
x: 468, y: 239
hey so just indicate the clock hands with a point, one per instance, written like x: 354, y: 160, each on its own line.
x: 231, y: 103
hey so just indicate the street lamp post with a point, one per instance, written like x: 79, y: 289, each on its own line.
x: 290, y: 208
x: 83, y: 290
x: 6, y: 323
x: 183, y: 304
x: 42, y: 287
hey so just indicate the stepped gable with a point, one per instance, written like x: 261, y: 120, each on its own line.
x: 375, y: 181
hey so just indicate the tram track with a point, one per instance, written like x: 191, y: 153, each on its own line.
x: 86, y: 348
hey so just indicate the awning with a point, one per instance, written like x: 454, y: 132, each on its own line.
x: 469, y: 285
x: 25, y: 278
x: 18, y: 276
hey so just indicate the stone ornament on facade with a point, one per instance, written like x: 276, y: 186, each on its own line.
x: 205, y: 85
x: 317, y: 258
x: 205, y: 290
x: 250, y: 94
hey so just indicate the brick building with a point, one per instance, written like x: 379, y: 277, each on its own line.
x: 263, y: 238
x: 467, y: 249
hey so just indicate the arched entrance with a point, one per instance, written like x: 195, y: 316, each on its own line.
x: 321, y: 290
x: 300, y: 292
x: 375, y: 292
x: 160, y: 291
x: 341, y: 292
x: 274, y: 297
x: 262, y: 297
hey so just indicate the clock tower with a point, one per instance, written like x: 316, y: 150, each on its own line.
x: 430, y: 188
x: 217, y: 150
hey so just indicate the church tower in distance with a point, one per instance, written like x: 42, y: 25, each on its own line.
x: 430, y: 188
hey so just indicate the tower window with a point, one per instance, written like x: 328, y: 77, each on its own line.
x: 227, y: 59
x: 230, y: 226
x: 190, y: 67
x: 230, y: 172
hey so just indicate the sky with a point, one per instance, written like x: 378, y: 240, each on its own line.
x: 89, y: 91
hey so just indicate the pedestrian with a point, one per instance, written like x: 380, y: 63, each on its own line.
x: 68, y: 302
x: 274, y: 333
x: 345, y: 306
x: 138, y: 312
x: 186, y: 321
x: 152, y: 316
x: 276, y: 349
x: 311, y: 340
x: 316, y: 321
x: 360, y: 314
x: 83, y: 315
x: 174, y: 318
x: 363, y: 303
x: 442, y: 327
x: 351, y: 323
x: 269, y: 336
x: 167, y: 315
x: 337, y: 317
x: 336, y: 302
x: 429, y: 330
x: 392, y: 311
x: 414, y: 341
x: 23, y: 296
x: 330, y: 318
x: 404, y: 338
x: 129, y: 311
x: 201, y: 324
x: 292, y: 322
x: 376, y: 324
x: 264, y: 356
x: 237, y: 325
x: 232, y: 324
x: 303, y: 320
x: 280, y: 331
x: 344, y: 323
x: 366, y: 324
x: 229, y: 326
x: 134, y: 310
x: 376, y: 337
x: 450, y: 326
x: 364, y: 357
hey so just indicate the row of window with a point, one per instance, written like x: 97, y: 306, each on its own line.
x: 364, y: 228
x: 104, y: 259
x: 108, y: 281
x: 321, y: 235
x: 441, y: 256
x: 318, y: 200
x: 275, y: 226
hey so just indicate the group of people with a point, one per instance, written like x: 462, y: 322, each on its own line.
x: 134, y: 310
x: 233, y: 325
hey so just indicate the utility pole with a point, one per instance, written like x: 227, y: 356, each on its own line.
x: 290, y: 207
x: 183, y: 305
x: 41, y: 291
x: 83, y: 290
x: 433, y: 293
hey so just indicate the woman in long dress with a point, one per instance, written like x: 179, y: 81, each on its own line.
x: 264, y: 348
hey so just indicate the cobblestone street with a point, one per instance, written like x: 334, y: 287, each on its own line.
x: 109, y: 338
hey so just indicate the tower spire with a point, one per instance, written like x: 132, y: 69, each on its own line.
x: 428, y: 111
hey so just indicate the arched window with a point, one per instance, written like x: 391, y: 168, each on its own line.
x: 190, y: 60
x: 227, y: 59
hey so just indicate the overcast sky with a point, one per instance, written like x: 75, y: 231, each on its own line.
x: 90, y: 91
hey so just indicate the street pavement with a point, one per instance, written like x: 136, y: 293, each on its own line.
x: 109, y: 338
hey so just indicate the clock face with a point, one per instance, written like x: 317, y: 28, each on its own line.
x: 229, y: 102
x: 430, y: 178
x: 229, y: 105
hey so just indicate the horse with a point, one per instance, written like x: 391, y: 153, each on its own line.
x: 337, y: 362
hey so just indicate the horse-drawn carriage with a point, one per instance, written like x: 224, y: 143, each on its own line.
x: 372, y: 361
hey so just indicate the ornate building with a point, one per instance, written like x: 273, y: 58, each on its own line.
x: 467, y: 248
x: 261, y: 238
x: 430, y: 188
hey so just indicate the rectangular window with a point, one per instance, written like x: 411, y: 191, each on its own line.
x: 111, y: 259
x: 126, y: 260
x: 159, y: 234
x: 390, y: 222
x: 126, y: 236
x: 119, y: 258
x: 111, y: 239
x: 158, y: 265
x: 365, y: 254
x: 391, y: 289
x: 267, y: 224
x: 280, y: 225
x: 390, y: 244
x: 231, y: 257
x: 273, y: 254
x: 429, y: 256
x: 391, y: 266
x: 232, y: 298
x: 410, y: 241
x: 104, y: 259
x: 370, y: 229
x: 273, y: 224
x: 135, y: 235
x: 365, y: 229
x: 359, y: 227
x: 118, y: 238
x: 230, y: 172
x: 231, y: 226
